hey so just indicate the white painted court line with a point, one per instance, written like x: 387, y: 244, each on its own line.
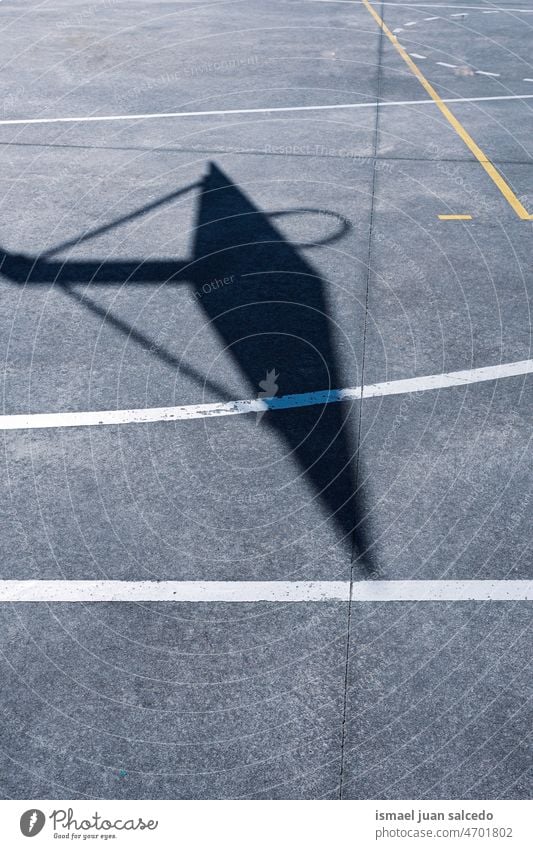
x: 270, y: 591
x: 417, y: 56
x: 81, y: 119
x: 446, y: 65
x: 487, y: 73
x: 235, y: 408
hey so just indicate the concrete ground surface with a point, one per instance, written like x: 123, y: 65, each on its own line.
x: 151, y: 261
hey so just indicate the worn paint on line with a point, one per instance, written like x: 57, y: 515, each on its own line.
x: 266, y: 591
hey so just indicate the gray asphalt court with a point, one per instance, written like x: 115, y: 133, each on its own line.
x: 205, y: 203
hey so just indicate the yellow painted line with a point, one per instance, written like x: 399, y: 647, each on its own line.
x: 483, y: 160
x: 455, y: 217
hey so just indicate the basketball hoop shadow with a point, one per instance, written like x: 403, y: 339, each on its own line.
x: 276, y: 317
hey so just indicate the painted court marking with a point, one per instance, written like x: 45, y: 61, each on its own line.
x: 68, y: 591
x: 271, y: 591
x: 263, y: 110
x: 234, y: 408
x: 481, y: 157
x: 431, y: 6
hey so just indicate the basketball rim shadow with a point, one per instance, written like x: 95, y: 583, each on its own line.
x: 276, y: 318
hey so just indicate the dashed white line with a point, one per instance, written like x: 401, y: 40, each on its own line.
x: 487, y: 73
x: 418, y: 56
x: 460, y: 15
x: 267, y: 591
x: 433, y: 6
x: 411, y: 23
x: 143, y: 415
x: 431, y: 19
x: 446, y: 65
